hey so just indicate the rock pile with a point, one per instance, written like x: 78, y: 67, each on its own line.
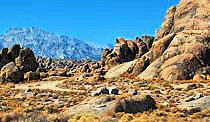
x: 68, y: 68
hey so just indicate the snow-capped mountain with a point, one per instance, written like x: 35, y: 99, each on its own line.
x: 49, y: 45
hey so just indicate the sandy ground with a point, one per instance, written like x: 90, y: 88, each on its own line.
x: 44, y: 85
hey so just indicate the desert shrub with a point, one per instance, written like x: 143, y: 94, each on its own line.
x: 60, y: 118
x: 127, y: 118
x: 36, y: 117
x: 20, y: 117
x: 85, y: 118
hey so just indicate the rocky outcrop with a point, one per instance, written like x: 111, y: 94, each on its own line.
x: 125, y: 51
x: 16, y: 61
x: 181, y: 46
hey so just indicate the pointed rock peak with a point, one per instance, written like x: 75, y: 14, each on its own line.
x: 120, y: 40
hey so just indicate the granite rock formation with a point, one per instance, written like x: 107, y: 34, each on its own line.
x: 181, y: 46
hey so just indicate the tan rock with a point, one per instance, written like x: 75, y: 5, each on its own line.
x: 186, y: 86
x: 181, y: 46
x: 57, y: 73
x: 11, y: 73
x: 198, y: 77
x: 32, y: 76
x: 167, y: 25
x: 26, y: 60
x: 161, y: 45
x: 119, y: 70
x: 208, y: 77
x: 121, y: 41
x: 101, y: 104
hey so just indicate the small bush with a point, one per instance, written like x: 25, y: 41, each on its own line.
x: 127, y: 118
x: 85, y: 118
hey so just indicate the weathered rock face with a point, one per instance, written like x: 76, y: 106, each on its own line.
x: 119, y: 70
x: 192, y: 15
x: 26, y: 60
x: 167, y: 25
x: 181, y: 46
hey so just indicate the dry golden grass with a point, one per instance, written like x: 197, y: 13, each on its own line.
x: 85, y: 118
x: 7, y: 85
x: 54, y: 78
x: 127, y: 118
x: 109, y: 114
x: 123, y: 96
x: 18, y: 110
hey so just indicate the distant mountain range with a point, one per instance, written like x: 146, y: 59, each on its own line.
x: 49, y: 44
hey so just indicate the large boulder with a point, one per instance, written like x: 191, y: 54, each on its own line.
x: 135, y: 104
x: 32, y: 76
x: 120, y: 70
x: 101, y: 104
x: 11, y: 73
x: 4, y: 59
x: 13, y: 52
x: 26, y: 60
x: 161, y: 45
x: 196, y: 104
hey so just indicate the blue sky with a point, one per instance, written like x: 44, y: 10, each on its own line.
x: 93, y: 21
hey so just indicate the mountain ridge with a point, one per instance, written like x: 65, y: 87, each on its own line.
x: 48, y: 44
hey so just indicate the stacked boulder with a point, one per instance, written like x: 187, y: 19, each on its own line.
x: 125, y: 51
x: 16, y: 61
